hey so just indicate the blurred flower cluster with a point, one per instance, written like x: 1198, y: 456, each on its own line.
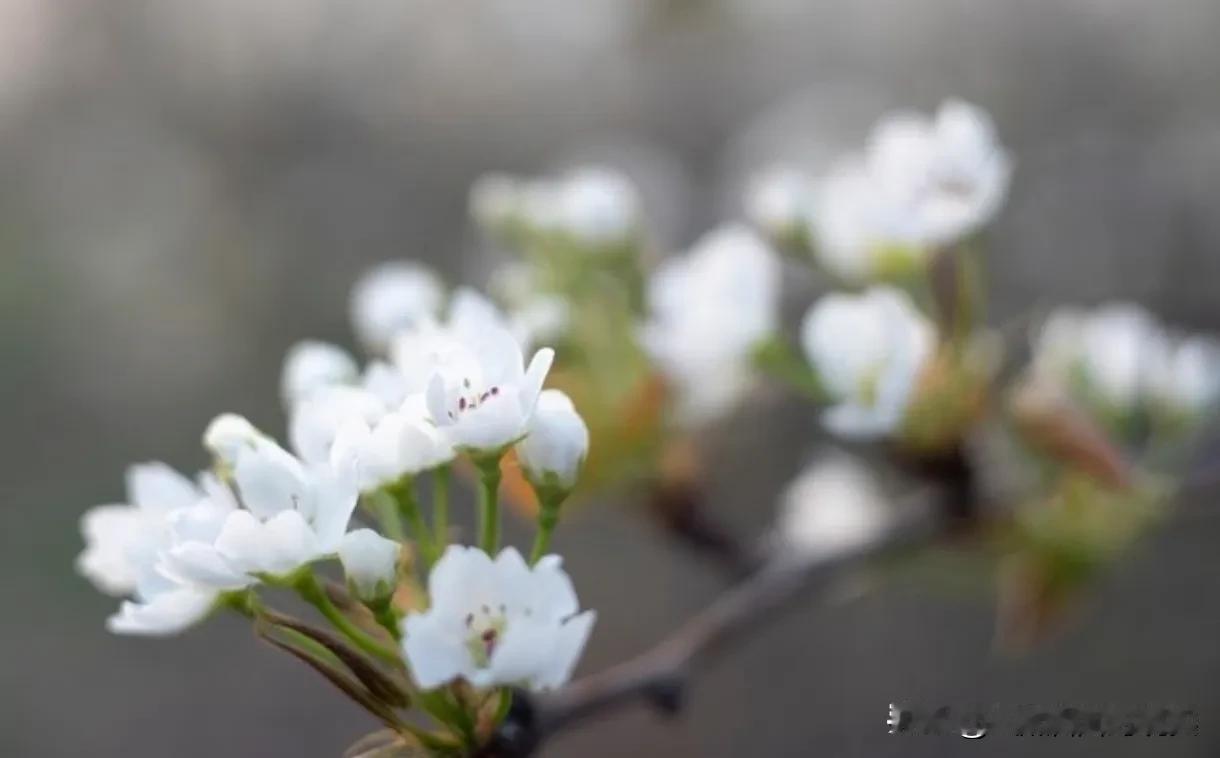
x: 644, y: 352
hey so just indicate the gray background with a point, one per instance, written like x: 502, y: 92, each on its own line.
x: 192, y: 185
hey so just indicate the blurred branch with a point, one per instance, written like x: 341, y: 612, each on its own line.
x: 661, y: 676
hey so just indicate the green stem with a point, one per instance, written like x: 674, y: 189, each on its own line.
x: 313, y: 593
x: 383, y: 612
x: 549, y: 501
x: 489, y: 504
x: 386, y: 510
x: 440, y: 505
x: 403, y: 493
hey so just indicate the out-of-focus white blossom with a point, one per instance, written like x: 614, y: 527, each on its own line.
x: 868, y: 350
x: 123, y: 545
x: 534, y: 315
x: 290, y: 515
x: 833, y: 505
x: 370, y: 563
x: 1120, y: 357
x: 1186, y: 378
x: 1106, y: 354
x: 496, y: 623
x: 557, y: 441
x: 708, y: 311
x: 404, y: 442
x: 922, y: 183
x: 779, y: 201
x: 310, y: 366
x: 593, y: 205
x: 391, y: 298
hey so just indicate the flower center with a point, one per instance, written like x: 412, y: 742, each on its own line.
x: 485, y: 628
x: 469, y: 399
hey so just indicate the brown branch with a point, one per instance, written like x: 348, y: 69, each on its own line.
x: 660, y: 676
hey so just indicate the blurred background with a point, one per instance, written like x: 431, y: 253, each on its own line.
x: 190, y: 186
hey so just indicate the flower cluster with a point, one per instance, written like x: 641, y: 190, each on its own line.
x: 443, y: 387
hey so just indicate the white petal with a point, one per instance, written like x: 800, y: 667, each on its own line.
x: 108, y: 531
x: 269, y: 479
x: 289, y: 543
x: 435, y: 654
x: 335, y: 498
x: 312, y: 365
x: 157, y: 487
x: 201, y: 564
x: 167, y: 614
x: 569, y: 643
x: 370, y: 561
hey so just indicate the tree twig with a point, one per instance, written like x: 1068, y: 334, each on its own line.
x: 659, y: 677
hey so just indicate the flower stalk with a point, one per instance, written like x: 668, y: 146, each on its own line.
x: 312, y: 592
x: 489, y: 503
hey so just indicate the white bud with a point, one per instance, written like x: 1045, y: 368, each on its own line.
x: 370, y: 562
x: 832, y: 505
x: 557, y: 441
x: 227, y: 434
x: 311, y: 365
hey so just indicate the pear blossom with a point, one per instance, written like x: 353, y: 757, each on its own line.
x: 556, y: 443
x: 832, y: 505
x: 314, y: 424
x: 285, y: 516
x: 495, y: 623
x: 481, y: 394
x: 594, y: 205
x: 922, y: 183
x: 709, y: 309
x: 311, y: 365
x: 370, y: 563
x: 1186, y: 378
x: 392, y: 297
x: 1106, y: 354
x: 868, y: 350
x: 123, y: 544
x: 779, y: 201
x: 402, y: 443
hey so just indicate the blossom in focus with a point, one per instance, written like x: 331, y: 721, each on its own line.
x: 391, y: 298
x: 285, y: 515
x: 311, y: 365
x: 832, y: 505
x: 404, y: 442
x: 123, y: 543
x: 481, y: 394
x: 593, y: 205
x: 708, y: 311
x: 498, y: 622
x: 370, y: 563
x: 868, y: 350
x: 556, y: 443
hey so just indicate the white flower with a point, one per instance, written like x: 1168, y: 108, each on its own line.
x: 593, y: 205
x: 868, y: 350
x: 496, y: 623
x: 123, y: 544
x: 311, y: 365
x: 227, y: 434
x: 480, y: 392
x: 314, y: 424
x: 922, y: 183
x: 779, y: 200
x: 708, y: 310
x: 534, y: 315
x: 393, y: 297
x: 832, y: 505
x: 1107, y: 354
x: 290, y: 515
x: 1186, y: 379
x: 950, y: 171
x: 556, y: 443
x: 370, y: 563
x: 402, y: 443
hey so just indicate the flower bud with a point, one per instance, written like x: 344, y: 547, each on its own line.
x: 832, y: 505
x: 556, y: 444
x: 370, y: 562
x: 227, y: 434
